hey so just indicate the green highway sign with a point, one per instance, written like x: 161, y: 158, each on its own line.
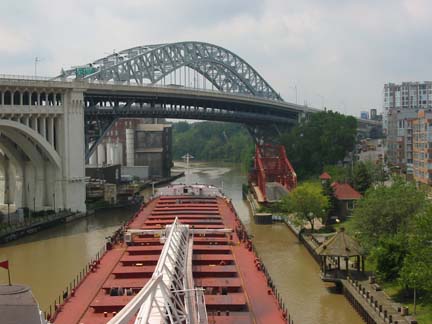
x: 83, y: 71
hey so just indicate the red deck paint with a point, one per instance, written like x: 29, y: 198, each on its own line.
x: 236, y: 291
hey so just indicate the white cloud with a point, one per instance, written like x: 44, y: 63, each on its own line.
x: 342, y: 51
x: 11, y: 41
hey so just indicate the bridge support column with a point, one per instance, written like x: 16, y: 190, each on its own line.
x: 110, y: 153
x: 50, y: 130
x: 70, y: 145
x: 43, y: 127
x: 101, y: 154
x: 10, y: 183
x: 35, y: 124
x: 93, y: 159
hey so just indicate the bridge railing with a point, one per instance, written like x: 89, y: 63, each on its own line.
x: 16, y: 77
x: 180, y: 87
x: 25, y: 77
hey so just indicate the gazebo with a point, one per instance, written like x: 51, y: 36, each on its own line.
x: 340, y: 246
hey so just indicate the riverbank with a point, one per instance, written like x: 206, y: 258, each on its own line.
x: 31, y: 226
x: 366, y: 297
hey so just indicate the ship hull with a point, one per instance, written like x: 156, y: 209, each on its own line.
x: 236, y: 289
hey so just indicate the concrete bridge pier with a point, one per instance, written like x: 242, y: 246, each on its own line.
x: 41, y: 145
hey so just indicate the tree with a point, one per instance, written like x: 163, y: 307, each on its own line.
x: 416, y: 272
x: 388, y: 256
x: 362, y: 177
x: 338, y: 173
x: 325, y: 138
x: 328, y: 191
x: 211, y: 141
x: 385, y: 211
x: 307, y: 202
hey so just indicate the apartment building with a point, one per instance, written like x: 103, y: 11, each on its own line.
x: 422, y: 147
x: 399, y: 144
x: 411, y: 96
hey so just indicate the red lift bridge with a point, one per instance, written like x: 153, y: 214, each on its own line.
x: 273, y: 174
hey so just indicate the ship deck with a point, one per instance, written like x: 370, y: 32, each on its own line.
x: 235, y: 288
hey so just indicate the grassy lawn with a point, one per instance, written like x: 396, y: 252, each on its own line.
x: 424, y: 303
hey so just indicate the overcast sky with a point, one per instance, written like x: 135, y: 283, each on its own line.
x: 337, y: 52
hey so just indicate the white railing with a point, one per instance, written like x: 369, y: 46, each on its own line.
x: 164, y: 297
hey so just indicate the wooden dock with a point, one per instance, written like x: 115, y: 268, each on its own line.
x: 373, y: 304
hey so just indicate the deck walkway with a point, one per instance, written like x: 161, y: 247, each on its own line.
x: 375, y: 302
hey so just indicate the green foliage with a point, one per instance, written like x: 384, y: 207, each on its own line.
x: 362, y: 177
x: 386, y: 211
x: 212, y: 141
x: 338, y: 173
x: 307, y: 202
x: 376, y: 171
x: 388, y: 256
x: 325, y: 138
x: 395, y: 224
x: 328, y: 191
x: 417, y: 267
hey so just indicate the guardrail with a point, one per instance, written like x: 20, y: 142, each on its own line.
x: 16, y: 77
x: 25, y: 77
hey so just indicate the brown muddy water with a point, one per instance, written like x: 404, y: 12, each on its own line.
x: 49, y: 260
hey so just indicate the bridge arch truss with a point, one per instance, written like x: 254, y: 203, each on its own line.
x: 149, y: 64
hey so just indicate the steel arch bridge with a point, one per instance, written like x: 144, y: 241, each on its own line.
x: 149, y: 64
x: 132, y: 74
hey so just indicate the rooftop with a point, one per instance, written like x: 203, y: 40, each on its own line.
x: 340, y: 245
x: 343, y: 191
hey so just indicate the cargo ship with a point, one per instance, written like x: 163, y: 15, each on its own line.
x: 185, y: 257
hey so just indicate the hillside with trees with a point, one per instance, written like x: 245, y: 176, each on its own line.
x: 212, y: 141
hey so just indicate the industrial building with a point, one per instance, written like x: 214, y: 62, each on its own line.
x: 150, y: 145
x: 142, y: 149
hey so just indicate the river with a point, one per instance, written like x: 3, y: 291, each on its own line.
x: 49, y: 260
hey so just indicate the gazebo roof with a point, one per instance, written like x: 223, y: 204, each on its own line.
x: 325, y: 176
x: 340, y: 245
